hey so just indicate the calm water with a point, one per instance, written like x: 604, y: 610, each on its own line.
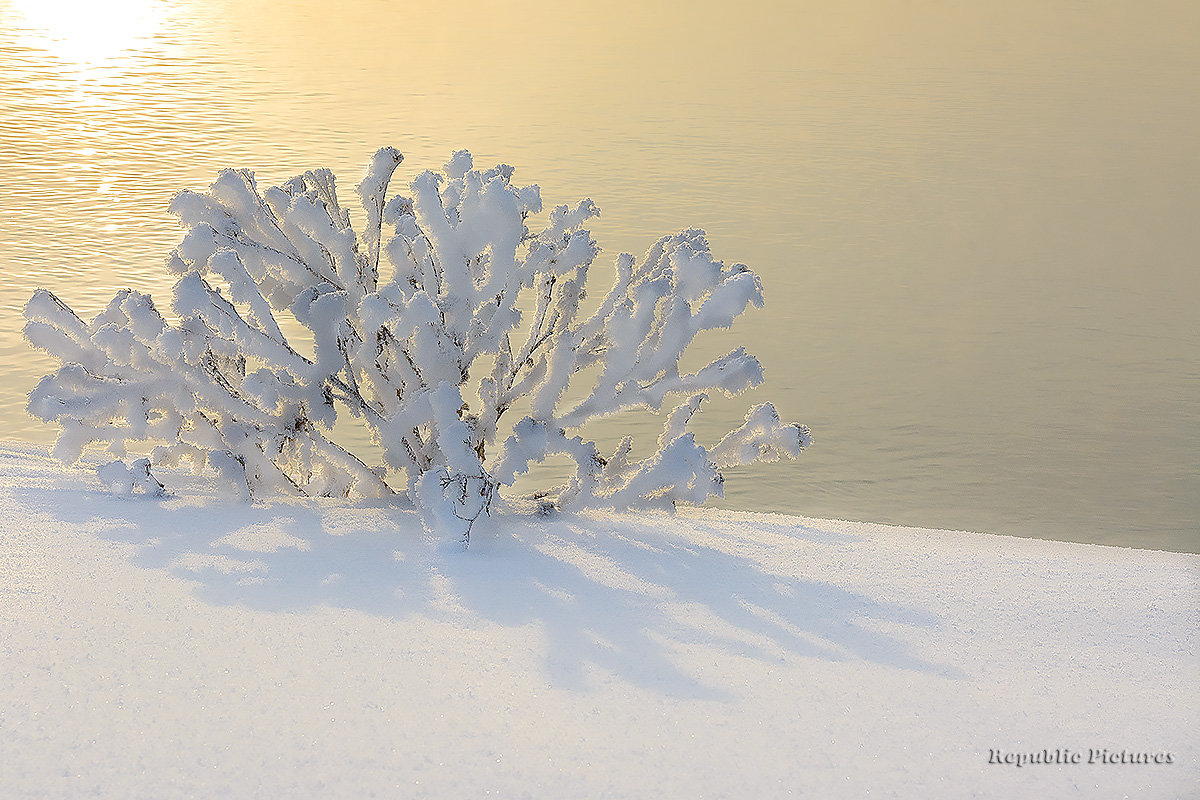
x: 979, y: 231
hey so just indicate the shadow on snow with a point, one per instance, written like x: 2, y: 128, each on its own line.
x: 625, y: 594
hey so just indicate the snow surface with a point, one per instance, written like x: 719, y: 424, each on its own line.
x: 192, y: 647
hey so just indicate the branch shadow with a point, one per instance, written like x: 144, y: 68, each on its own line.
x: 630, y: 595
x: 626, y: 595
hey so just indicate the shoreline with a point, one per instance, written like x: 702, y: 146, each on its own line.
x: 81, y: 477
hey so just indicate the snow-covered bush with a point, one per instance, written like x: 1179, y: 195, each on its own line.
x: 417, y: 329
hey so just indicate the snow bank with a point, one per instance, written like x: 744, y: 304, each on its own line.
x: 185, y: 647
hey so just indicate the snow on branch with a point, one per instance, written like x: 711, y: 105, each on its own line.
x: 428, y: 326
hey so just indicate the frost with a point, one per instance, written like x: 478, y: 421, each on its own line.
x: 444, y: 313
x: 124, y: 480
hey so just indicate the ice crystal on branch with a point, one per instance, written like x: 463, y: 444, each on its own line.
x: 443, y: 313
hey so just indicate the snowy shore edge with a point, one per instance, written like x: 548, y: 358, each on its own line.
x: 196, y: 647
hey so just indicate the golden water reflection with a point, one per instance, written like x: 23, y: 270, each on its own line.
x: 82, y: 34
x: 976, y: 226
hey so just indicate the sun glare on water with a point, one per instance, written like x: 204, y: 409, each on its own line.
x: 88, y: 33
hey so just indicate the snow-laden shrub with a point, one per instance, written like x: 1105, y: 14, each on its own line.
x: 417, y: 330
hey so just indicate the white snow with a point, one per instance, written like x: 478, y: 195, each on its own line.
x: 191, y: 646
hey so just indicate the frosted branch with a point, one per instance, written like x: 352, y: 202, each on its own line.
x: 451, y: 306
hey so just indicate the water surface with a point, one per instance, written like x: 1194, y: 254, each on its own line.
x: 977, y: 228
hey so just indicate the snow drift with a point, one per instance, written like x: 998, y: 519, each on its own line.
x: 186, y: 647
